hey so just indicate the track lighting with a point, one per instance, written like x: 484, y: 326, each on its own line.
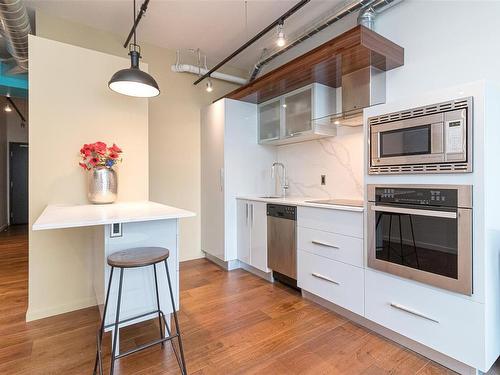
x: 7, y: 108
x: 210, y: 86
x: 280, y: 40
x: 133, y: 81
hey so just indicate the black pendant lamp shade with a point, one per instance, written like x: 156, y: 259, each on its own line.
x: 133, y: 81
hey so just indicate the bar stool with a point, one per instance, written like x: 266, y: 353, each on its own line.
x: 133, y: 258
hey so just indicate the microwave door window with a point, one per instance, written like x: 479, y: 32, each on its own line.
x: 405, y: 142
x: 421, y: 242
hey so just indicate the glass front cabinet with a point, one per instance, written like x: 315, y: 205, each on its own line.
x: 289, y: 118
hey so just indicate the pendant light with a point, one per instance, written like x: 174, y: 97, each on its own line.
x: 133, y: 81
x: 280, y: 38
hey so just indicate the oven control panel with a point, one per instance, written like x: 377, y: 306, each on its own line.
x: 417, y: 196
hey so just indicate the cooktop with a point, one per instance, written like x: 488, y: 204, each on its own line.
x: 339, y: 202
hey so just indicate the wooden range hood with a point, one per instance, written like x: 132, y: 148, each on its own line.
x: 355, y: 49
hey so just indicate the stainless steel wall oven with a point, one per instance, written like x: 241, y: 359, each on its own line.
x: 431, y: 139
x: 423, y: 233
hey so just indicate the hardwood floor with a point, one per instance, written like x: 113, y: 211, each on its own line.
x: 233, y: 323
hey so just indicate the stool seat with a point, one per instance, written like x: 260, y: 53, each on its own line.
x: 138, y: 257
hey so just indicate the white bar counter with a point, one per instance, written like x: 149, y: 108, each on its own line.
x: 116, y: 227
x: 72, y: 216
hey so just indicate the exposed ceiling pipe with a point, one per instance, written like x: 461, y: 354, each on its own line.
x: 186, y: 68
x: 15, y: 28
x: 202, y: 68
x: 368, y: 10
x: 281, y: 19
x: 368, y: 14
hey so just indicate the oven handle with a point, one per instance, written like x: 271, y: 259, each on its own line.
x: 413, y: 211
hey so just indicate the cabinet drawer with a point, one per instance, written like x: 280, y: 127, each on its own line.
x: 447, y: 323
x: 331, y: 245
x: 349, y: 223
x: 333, y: 281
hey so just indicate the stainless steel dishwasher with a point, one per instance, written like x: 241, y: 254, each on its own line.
x: 282, y: 243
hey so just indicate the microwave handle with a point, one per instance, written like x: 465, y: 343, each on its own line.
x: 413, y: 211
x: 378, y: 145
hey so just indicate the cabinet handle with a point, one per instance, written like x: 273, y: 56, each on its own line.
x: 324, y: 244
x: 411, y: 311
x: 319, y: 276
x: 246, y: 213
x: 221, y: 179
x: 251, y: 214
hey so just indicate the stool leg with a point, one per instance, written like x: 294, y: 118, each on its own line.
x: 115, y: 332
x: 183, y: 369
x: 98, y: 356
x: 158, y: 306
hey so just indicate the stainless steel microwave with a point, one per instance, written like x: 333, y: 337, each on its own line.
x: 432, y: 139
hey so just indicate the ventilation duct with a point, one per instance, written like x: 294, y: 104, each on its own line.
x: 15, y: 28
x: 368, y: 10
x: 200, y: 70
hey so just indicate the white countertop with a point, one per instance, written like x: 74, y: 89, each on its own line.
x: 304, y: 201
x: 72, y: 216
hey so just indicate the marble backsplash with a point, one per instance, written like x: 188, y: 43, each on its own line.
x: 340, y: 158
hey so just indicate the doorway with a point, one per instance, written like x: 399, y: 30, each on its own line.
x: 18, y: 183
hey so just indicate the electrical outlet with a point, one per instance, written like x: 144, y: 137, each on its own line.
x: 323, y: 179
x: 116, y: 230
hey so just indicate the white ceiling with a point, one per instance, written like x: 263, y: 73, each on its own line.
x: 216, y: 27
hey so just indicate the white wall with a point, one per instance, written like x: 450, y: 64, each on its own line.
x: 60, y: 261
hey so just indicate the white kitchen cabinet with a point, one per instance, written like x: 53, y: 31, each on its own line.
x: 330, y: 256
x: 298, y: 110
x: 252, y: 234
x: 232, y: 164
x: 270, y: 121
x: 333, y: 281
x: 440, y: 320
x: 243, y: 231
x: 289, y: 118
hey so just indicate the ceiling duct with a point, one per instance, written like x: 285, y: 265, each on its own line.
x: 368, y: 10
x: 15, y: 28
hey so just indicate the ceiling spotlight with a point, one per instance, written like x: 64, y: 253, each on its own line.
x: 7, y: 108
x: 210, y: 87
x: 280, y: 40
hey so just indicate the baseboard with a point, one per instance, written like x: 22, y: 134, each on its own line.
x: 268, y: 276
x: 436, y: 356
x: 227, y: 265
x: 36, y: 314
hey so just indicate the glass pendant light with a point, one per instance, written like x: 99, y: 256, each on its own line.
x: 133, y: 81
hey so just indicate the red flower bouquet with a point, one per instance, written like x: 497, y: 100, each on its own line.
x: 98, y: 154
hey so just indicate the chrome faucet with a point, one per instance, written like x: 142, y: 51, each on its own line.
x: 283, y: 180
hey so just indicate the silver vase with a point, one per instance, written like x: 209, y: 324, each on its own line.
x: 103, y: 185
